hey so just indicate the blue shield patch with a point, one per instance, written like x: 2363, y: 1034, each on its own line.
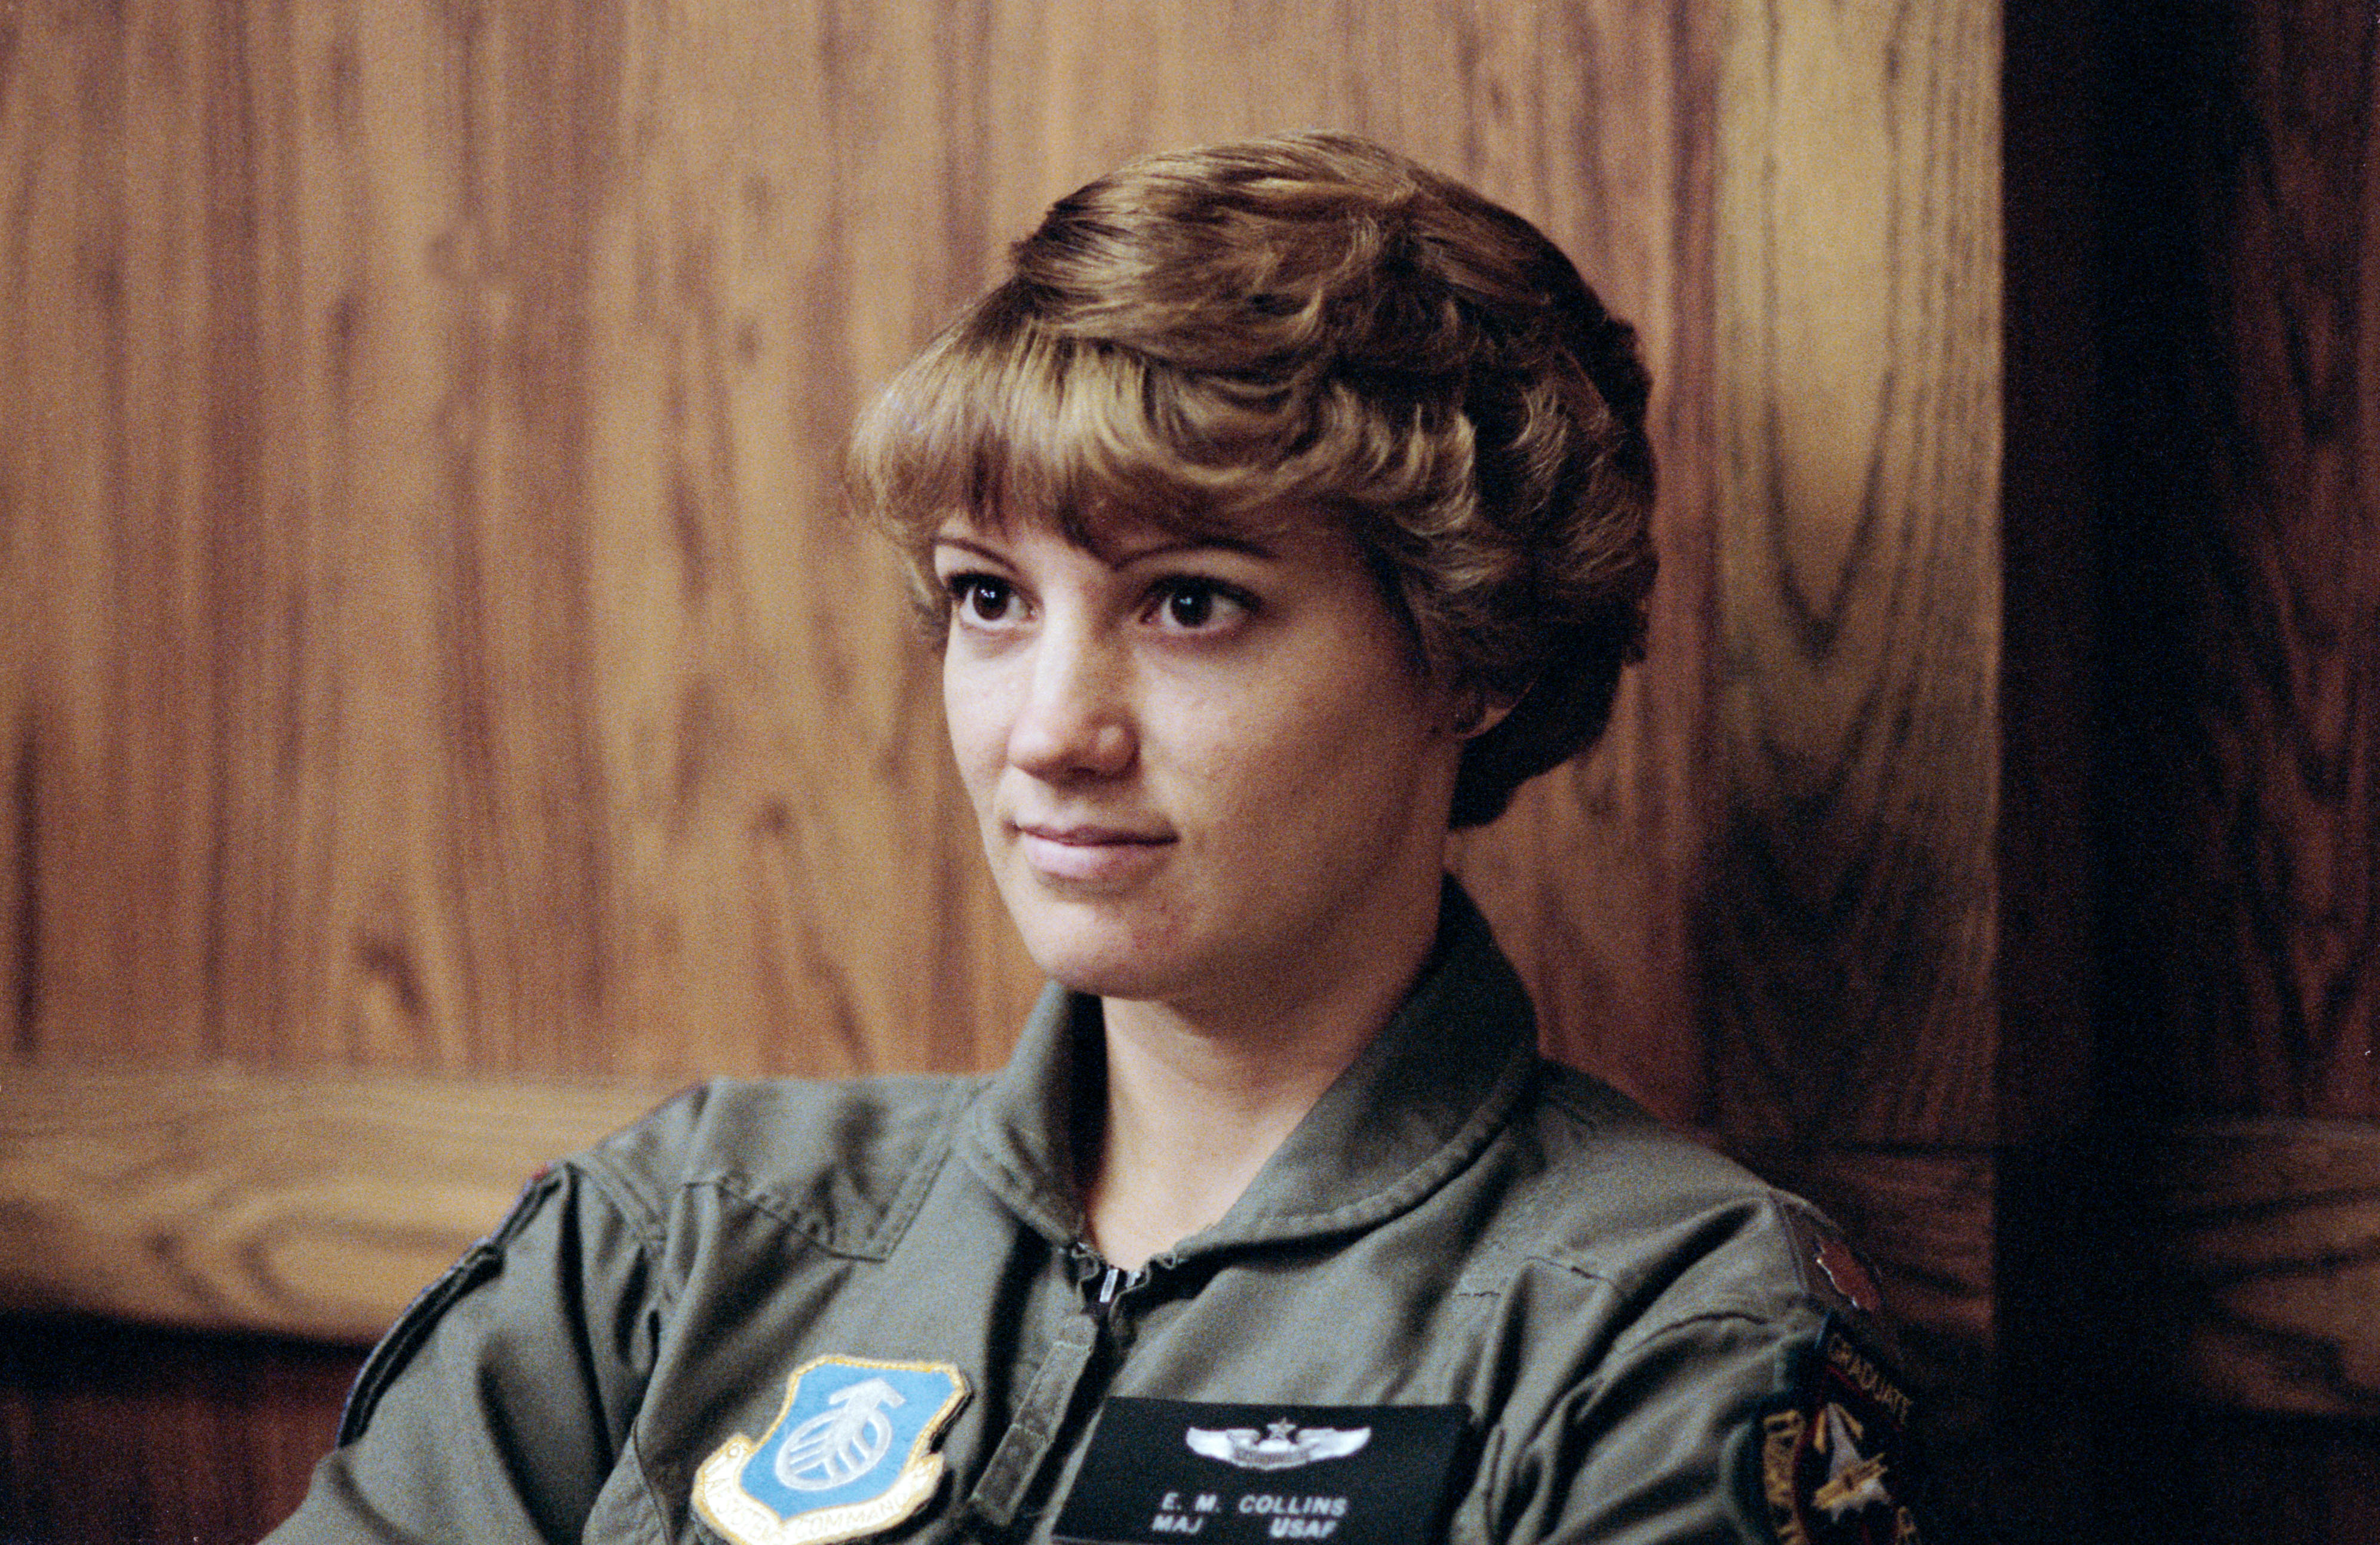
x: 851, y: 1452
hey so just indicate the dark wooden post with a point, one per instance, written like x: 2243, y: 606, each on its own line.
x: 2240, y: 800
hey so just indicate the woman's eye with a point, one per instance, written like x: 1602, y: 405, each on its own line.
x: 1192, y: 605
x: 980, y: 597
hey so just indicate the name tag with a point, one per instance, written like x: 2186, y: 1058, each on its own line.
x: 1162, y: 1472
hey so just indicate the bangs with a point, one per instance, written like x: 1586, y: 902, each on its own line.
x: 1002, y: 418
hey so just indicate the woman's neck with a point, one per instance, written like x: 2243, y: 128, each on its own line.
x: 1197, y: 1102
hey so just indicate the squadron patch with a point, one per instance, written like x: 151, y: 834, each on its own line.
x: 850, y: 1454
x: 1833, y: 1452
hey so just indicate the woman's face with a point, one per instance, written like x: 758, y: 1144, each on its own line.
x: 1202, y: 768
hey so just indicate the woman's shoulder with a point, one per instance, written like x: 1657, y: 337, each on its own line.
x: 841, y: 1159
x: 1604, y: 1186
x: 1675, y: 1277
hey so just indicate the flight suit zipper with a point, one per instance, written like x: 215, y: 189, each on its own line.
x: 1084, y: 1357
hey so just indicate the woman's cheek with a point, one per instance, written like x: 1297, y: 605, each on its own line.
x: 971, y: 708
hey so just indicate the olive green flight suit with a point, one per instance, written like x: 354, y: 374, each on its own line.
x: 1456, y: 1221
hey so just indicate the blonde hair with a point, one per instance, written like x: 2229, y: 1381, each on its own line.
x: 1217, y: 340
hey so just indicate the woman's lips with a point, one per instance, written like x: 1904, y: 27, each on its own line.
x: 1091, y: 855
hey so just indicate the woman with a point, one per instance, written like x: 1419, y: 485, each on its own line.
x: 1285, y: 507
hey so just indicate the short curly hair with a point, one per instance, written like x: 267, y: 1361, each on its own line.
x: 1210, y: 339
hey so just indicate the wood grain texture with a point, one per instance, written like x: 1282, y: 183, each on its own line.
x: 435, y: 643
x: 1586, y: 877
x: 2217, y: 247
x: 1848, y: 907
x: 2213, y: 1351
x: 2265, y: 1264
x: 306, y: 1206
x: 2244, y: 335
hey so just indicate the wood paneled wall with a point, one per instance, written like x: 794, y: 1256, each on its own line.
x: 1848, y: 957
x: 435, y: 676
x: 2240, y: 791
x: 430, y: 649
x: 2246, y: 324
x: 1846, y: 905
x: 432, y: 644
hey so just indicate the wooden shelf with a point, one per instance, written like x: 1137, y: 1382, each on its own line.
x: 302, y: 1205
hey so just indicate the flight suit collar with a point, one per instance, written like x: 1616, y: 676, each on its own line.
x: 1417, y: 1105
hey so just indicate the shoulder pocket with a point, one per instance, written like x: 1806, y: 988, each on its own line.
x: 413, y: 1327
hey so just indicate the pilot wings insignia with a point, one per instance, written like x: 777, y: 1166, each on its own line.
x: 1284, y: 1445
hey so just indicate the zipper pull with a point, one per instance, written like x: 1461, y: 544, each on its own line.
x: 1114, y: 1282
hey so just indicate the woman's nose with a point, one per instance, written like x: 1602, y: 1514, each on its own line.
x: 1075, y: 720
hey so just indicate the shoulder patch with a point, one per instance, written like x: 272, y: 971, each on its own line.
x: 1834, y: 1458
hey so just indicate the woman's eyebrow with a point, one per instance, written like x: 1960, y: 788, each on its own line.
x: 1171, y: 547
x: 1164, y: 547
x: 945, y: 538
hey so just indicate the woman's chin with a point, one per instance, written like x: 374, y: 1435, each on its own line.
x: 1101, y: 974
x: 1106, y: 958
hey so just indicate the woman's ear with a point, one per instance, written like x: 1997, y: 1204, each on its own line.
x: 1474, y: 710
